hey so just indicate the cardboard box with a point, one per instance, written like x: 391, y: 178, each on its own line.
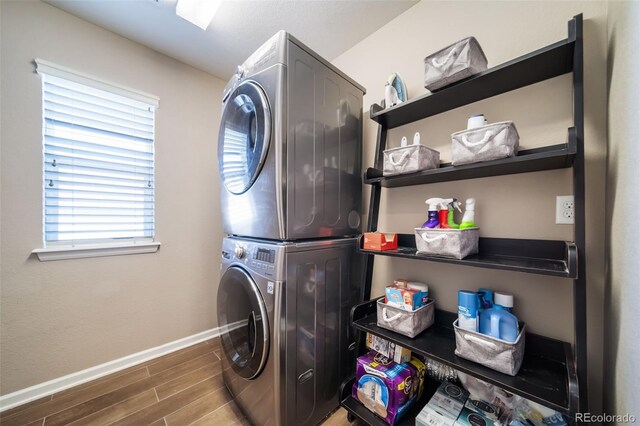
x: 444, y: 407
x: 469, y: 417
x: 481, y: 407
x: 389, y: 349
x: 380, y: 241
x: 405, y: 298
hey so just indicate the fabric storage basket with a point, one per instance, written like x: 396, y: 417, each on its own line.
x: 500, y: 355
x: 407, y: 323
x: 454, y: 63
x: 409, y: 159
x: 456, y: 243
x: 490, y: 142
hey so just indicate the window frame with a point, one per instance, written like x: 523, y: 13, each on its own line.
x: 59, y: 250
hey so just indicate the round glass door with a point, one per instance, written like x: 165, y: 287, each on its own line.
x: 242, y: 316
x: 243, y: 141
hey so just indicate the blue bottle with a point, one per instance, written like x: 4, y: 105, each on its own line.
x: 468, y: 310
x: 499, y: 323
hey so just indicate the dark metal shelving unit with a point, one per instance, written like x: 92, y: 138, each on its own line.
x: 553, y: 373
x: 544, y: 257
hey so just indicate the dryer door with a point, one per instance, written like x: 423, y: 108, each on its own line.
x: 242, y: 315
x: 243, y: 141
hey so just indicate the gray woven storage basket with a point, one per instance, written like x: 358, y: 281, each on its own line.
x: 453, y: 63
x: 500, y: 355
x: 490, y: 142
x: 409, y: 159
x: 407, y: 323
x: 456, y: 243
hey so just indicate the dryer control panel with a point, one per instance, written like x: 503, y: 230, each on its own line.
x: 263, y: 259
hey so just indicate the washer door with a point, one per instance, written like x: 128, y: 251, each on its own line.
x: 242, y: 315
x: 243, y: 141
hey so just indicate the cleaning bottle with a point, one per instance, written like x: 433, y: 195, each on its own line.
x: 505, y: 300
x: 468, y: 219
x: 454, y: 204
x: 443, y: 213
x: 498, y: 322
x: 468, y: 304
x: 432, y: 221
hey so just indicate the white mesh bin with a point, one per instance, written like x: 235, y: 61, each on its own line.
x: 456, y: 243
x: 497, y: 354
x: 490, y: 142
x: 454, y: 63
x: 407, y: 323
x: 409, y: 159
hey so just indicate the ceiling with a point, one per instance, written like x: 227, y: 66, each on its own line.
x: 330, y: 27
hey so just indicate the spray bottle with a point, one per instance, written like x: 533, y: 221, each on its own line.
x: 432, y: 221
x: 443, y: 213
x: 468, y: 219
x: 453, y: 204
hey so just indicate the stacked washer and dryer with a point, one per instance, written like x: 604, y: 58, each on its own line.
x: 289, y: 157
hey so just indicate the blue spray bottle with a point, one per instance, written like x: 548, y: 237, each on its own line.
x: 432, y: 221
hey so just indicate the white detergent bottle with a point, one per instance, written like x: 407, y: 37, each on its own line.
x: 468, y: 219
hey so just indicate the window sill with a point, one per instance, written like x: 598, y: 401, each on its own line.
x: 95, y: 250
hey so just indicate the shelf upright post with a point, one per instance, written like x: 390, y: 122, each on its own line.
x: 579, y: 287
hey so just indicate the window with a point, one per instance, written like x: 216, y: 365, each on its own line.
x: 99, y: 184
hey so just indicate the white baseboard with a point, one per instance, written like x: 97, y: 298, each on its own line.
x: 74, y: 379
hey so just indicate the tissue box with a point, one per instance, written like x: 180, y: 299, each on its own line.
x: 389, y: 349
x: 385, y: 387
x: 472, y: 418
x: 491, y: 142
x: 409, y: 159
x: 380, y: 241
x: 444, y: 407
x: 405, y: 298
x: 454, y: 63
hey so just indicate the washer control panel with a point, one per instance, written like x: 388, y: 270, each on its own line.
x: 263, y: 259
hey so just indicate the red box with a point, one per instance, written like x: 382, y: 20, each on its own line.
x: 380, y: 241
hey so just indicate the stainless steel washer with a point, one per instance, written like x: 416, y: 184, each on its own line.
x: 284, y: 310
x: 290, y: 146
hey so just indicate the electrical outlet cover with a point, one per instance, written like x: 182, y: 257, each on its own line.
x: 565, y: 210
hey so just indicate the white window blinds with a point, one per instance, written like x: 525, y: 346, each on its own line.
x: 98, y: 164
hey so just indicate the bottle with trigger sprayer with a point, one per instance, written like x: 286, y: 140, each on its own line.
x: 432, y: 221
x: 454, y: 204
x: 468, y: 219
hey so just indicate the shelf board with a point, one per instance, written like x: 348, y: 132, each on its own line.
x: 548, y: 62
x: 555, y: 258
x: 547, y: 375
x: 530, y: 160
x: 356, y: 408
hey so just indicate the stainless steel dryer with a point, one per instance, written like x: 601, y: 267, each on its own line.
x: 284, y: 310
x: 290, y: 146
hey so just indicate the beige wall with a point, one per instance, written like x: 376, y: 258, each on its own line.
x: 63, y: 316
x: 518, y: 206
x: 622, y: 366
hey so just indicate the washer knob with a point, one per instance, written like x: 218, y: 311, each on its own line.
x: 239, y: 252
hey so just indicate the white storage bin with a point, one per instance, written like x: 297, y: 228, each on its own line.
x: 407, y: 323
x: 500, y: 355
x: 409, y: 159
x: 490, y: 142
x: 454, y: 63
x: 456, y: 243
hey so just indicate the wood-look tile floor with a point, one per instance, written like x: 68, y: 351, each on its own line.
x: 181, y: 388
